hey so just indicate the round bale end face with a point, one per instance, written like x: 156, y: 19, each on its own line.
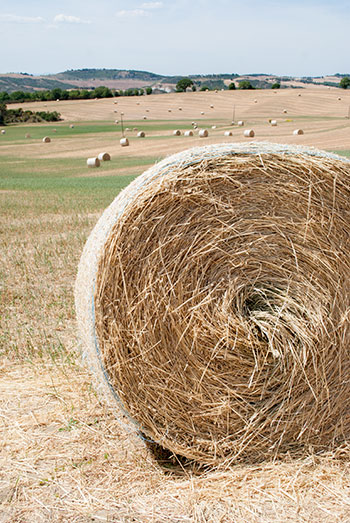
x: 225, y: 347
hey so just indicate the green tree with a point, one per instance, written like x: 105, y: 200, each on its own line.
x: 3, y: 113
x: 245, y: 84
x: 276, y: 85
x: 344, y: 82
x: 183, y: 84
x: 232, y: 86
x: 148, y: 90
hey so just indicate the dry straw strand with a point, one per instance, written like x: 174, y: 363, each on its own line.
x: 213, y: 302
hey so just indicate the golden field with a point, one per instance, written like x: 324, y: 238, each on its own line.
x: 63, y: 454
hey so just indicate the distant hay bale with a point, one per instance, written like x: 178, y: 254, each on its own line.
x: 124, y: 142
x: 180, y: 108
x: 116, y: 121
x: 135, y: 129
x: 213, y: 303
x: 141, y: 134
x: 145, y: 117
x: 195, y: 127
x: 203, y: 133
x: 46, y: 139
x: 188, y: 133
x: 3, y: 131
x: 211, y: 107
x: 255, y: 101
x: 285, y: 111
x: 273, y: 123
x: 169, y: 110
x: 71, y: 126
x: 240, y: 123
x: 202, y: 112
x: 177, y: 132
x: 93, y: 162
x: 249, y: 133
x: 213, y: 126
x: 298, y: 131
x: 104, y: 157
x: 54, y: 130
x: 228, y: 133
x: 27, y: 135
x: 339, y: 98
x: 299, y: 94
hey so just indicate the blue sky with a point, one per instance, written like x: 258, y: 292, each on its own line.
x: 179, y: 37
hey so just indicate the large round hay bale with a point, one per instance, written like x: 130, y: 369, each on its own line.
x: 249, y: 133
x: 188, y: 133
x: 93, y: 162
x: 104, y: 157
x: 46, y: 139
x: 203, y: 133
x: 124, y: 142
x: 141, y: 134
x: 213, y: 302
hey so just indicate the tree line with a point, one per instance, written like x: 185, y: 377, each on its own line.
x: 72, y: 94
x: 8, y: 116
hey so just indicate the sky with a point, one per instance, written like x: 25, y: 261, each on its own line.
x: 177, y: 37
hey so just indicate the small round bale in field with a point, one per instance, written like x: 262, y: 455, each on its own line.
x: 240, y: 123
x: 93, y: 162
x: 3, y: 131
x: 273, y: 123
x: 104, y: 157
x: 145, y: 117
x: 228, y: 133
x: 203, y: 133
x: 249, y: 133
x: 298, y: 131
x: 27, y: 135
x: 188, y: 133
x: 177, y: 132
x: 46, y: 139
x: 71, y: 126
x: 202, y: 112
x: 213, y: 303
x: 213, y: 126
x: 141, y: 134
x: 124, y: 142
x: 285, y: 111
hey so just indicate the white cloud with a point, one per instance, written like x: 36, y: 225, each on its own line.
x: 131, y: 13
x: 68, y: 19
x: 152, y: 5
x: 21, y: 19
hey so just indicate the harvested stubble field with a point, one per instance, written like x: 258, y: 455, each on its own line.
x: 64, y: 456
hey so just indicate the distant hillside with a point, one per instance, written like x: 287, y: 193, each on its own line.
x: 108, y: 74
x: 127, y: 79
x: 25, y: 82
